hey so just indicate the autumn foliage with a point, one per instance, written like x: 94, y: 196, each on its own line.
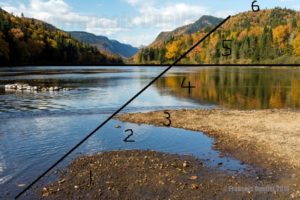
x: 25, y: 41
x: 268, y: 36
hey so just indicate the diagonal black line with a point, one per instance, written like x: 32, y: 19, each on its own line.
x: 120, y: 109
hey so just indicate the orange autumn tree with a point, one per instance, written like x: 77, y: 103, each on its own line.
x: 173, y: 50
x: 296, y: 45
x: 281, y: 34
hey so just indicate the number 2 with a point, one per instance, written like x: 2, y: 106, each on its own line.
x: 131, y: 134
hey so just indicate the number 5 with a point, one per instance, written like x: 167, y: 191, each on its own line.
x: 227, y: 47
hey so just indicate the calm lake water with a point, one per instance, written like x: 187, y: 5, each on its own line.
x: 38, y: 128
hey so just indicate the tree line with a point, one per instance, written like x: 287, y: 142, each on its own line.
x: 25, y: 41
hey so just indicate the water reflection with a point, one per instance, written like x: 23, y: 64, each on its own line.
x: 242, y: 88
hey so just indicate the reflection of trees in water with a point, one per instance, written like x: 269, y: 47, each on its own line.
x: 247, y: 88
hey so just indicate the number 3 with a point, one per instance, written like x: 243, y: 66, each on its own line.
x: 168, y: 118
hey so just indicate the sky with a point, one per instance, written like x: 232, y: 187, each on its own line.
x: 136, y: 22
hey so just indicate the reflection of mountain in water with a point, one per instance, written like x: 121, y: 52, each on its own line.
x: 243, y: 88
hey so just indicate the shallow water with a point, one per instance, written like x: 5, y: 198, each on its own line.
x: 38, y: 128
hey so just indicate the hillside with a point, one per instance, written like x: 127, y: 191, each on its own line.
x: 105, y: 44
x: 204, y: 22
x: 268, y: 36
x: 25, y: 41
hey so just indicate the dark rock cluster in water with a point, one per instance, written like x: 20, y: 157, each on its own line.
x: 27, y: 87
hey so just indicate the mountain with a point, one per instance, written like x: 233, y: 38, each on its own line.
x: 105, y: 44
x: 204, y: 22
x: 267, y: 36
x: 25, y: 41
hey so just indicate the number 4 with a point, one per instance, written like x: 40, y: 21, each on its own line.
x: 190, y: 87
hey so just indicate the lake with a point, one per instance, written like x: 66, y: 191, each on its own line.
x: 37, y: 128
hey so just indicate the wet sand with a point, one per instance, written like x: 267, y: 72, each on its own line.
x: 152, y: 175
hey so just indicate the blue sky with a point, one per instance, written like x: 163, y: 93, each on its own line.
x: 136, y: 22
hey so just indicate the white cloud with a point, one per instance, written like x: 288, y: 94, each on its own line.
x: 137, y: 39
x: 166, y: 16
x: 59, y: 13
x: 170, y: 16
x: 134, y: 2
x: 96, y: 25
x: 140, y: 2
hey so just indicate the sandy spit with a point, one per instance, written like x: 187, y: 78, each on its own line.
x: 262, y: 137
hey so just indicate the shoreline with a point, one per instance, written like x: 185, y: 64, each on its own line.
x: 136, y: 174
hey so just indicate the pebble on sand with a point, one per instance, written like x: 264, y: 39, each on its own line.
x: 185, y: 164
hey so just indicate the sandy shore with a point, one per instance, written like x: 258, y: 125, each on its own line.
x: 266, y: 139
x: 261, y: 137
x: 151, y: 175
x: 269, y: 139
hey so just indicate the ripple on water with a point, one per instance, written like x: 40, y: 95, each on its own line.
x: 3, y: 178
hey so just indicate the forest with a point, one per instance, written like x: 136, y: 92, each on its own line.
x: 25, y: 41
x: 268, y: 36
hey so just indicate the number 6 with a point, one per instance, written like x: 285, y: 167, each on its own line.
x: 255, y: 8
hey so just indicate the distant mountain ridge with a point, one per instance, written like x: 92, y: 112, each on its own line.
x: 204, y: 22
x: 105, y: 44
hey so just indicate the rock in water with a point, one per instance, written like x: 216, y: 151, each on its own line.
x: 27, y: 87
